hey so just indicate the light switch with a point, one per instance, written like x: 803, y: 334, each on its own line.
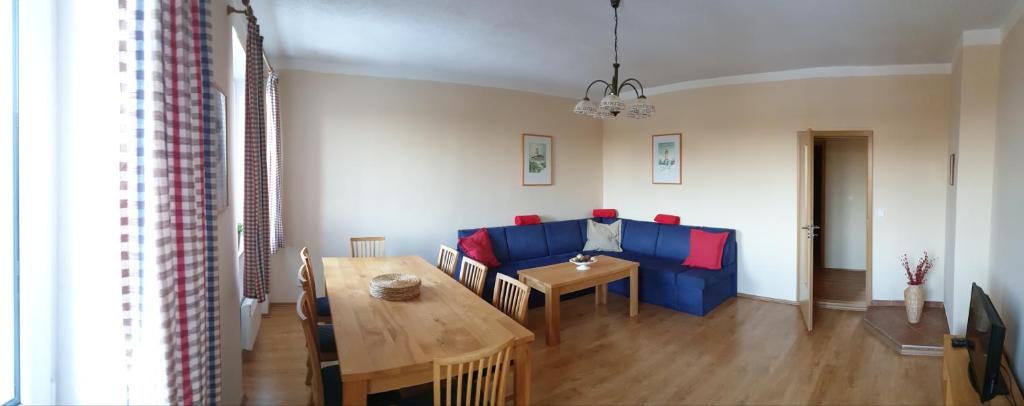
x: 880, y: 212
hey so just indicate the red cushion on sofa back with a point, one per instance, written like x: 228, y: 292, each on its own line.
x: 706, y: 249
x: 478, y: 247
x: 666, y: 219
x: 528, y: 219
x: 605, y: 213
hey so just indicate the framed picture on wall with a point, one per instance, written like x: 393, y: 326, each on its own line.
x: 538, y: 163
x: 219, y: 148
x: 667, y: 159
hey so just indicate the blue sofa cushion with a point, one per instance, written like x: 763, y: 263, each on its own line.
x: 563, y: 237
x: 499, y: 243
x: 639, y: 236
x: 657, y: 278
x: 538, y: 262
x: 673, y: 242
x: 696, y: 278
x: 525, y: 242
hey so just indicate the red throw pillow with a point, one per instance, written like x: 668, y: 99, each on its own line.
x: 478, y: 247
x: 666, y: 219
x: 527, y: 220
x: 605, y: 213
x: 706, y: 249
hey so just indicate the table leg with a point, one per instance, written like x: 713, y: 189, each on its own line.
x: 633, y: 294
x: 604, y: 293
x: 552, y: 302
x: 522, y: 378
x: 354, y: 392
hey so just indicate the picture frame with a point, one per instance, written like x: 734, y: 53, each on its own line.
x: 667, y: 159
x: 537, y: 160
x: 220, y: 136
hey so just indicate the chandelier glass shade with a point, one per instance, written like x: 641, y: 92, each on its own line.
x: 611, y: 104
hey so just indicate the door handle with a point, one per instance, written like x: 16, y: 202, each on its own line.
x: 810, y: 227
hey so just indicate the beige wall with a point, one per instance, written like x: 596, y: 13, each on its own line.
x: 845, y: 228
x: 231, y: 348
x: 974, y: 143
x: 740, y: 168
x: 1007, y: 257
x: 414, y: 161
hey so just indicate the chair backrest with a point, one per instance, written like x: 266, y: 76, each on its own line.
x: 511, y: 297
x: 477, y: 378
x: 309, y: 276
x: 367, y: 246
x: 472, y: 275
x: 446, y: 259
x: 308, y: 287
x: 307, y: 317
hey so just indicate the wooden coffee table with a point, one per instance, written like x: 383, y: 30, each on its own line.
x: 555, y: 280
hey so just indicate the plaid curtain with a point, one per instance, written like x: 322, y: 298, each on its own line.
x: 256, y: 221
x: 274, y: 164
x: 170, y: 291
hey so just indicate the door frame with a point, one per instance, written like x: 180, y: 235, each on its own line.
x: 869, y: 218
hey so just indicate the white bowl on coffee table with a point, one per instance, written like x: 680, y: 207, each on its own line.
x: 583, y: 266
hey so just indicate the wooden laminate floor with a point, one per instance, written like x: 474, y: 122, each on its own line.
x: 744, y: 352
x: 840, y: 285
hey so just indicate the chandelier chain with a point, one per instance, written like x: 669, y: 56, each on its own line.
x: 616, y: 34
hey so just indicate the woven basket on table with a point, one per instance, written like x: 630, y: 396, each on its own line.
x: 395, y: 286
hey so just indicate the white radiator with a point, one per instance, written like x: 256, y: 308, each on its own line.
x: 251, y: 318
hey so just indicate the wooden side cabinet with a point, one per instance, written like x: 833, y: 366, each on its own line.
x: 956, y: 384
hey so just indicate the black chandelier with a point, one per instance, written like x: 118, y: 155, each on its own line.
x: 611, y: 105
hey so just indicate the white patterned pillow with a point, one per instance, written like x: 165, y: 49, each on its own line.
x: 604, y: 237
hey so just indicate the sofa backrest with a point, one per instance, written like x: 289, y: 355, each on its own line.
x: 515, y: 243
x: 499, y: 241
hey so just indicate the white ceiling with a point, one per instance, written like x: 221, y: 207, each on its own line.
x: 559, y: 46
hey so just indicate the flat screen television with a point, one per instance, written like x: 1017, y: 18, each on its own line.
x: 985, y: 333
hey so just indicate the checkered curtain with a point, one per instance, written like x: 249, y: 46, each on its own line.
x: 256, y: 227
x: 169, y: 276
x: 274, y: 164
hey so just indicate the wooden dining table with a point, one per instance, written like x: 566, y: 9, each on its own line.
x: 384, y: 345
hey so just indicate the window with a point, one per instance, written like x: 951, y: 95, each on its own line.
x: 9, y: 352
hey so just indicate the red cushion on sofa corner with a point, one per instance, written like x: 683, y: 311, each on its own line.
x: 666, y: 219
x: 478, y: 247
x: 706, y: 249
x: 527, y: 220
x: 605, y: 213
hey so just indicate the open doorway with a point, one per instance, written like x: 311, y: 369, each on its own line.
x: 846, y: 291
x: 841, y: 210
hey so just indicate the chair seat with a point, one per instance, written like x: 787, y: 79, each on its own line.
x: 325, y: 333
x: 323, y: 307
x: 332, y: 389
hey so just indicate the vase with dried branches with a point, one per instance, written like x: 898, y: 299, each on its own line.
x: 913, y: 295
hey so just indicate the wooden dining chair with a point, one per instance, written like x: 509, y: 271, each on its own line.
x: 446, y: 259
x: 321, y: 305
x: 477, y: 378
x: 511, y: 297
x: 326, y: 383
x: 366, y: 246
x: 325, y: 347
x: 472, y: 275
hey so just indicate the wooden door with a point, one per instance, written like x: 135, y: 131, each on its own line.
x: 806, y: 230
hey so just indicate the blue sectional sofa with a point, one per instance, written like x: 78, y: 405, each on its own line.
x: 659, y: 249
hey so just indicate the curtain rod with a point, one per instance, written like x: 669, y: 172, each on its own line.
x: 249, y: 14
